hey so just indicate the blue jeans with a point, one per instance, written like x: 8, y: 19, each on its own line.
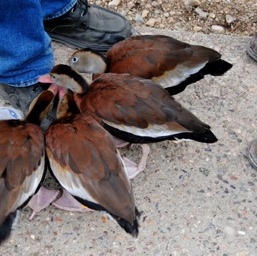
x: 25, y: 48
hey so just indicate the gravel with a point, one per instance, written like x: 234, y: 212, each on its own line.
x: 232, y: 17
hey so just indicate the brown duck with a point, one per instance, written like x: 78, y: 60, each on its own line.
x: 167, y: 61
x: 133, y: 109
x: 22, y: 160
x: 84, y: 160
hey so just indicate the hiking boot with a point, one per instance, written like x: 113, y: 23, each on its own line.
x: 252, y: 153
x: 19, y: 98
x: 89, y: 26
x: 252, y: 48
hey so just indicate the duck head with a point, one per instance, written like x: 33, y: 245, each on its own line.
x: 88, y: 61
x: 64, y: 76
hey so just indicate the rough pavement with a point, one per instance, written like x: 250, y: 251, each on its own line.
x: 196, y: 199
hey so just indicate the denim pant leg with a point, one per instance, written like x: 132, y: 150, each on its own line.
x: 55, y: 8
x: 25, y: 48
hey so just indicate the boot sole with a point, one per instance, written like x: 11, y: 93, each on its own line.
x: 74, y: 44
x: 103, y: 48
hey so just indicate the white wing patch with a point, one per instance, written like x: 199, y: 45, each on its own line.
x: 69, y: 180
x: 30, y: 185
x: 154, y: 131
x: 178, y: 75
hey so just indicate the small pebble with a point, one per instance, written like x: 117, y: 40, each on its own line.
x: 148, y: 6
x: 130, y: 5
x: 241, y: 232
x: 203, y: 15
x: 229, y: 19
x: 217, y: 28
x: 154, y: 4
x: 190, y: 4
x: 212, y: 15
x: 114, y: 3
x: 138, y: 18
x: 197, y: 28
x: 170, y: 20
x: 151, y: 22
x: 145, y: 13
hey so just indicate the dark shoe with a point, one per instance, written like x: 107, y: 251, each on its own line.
x: 252, y: 154
x: 89, y: 26
x: 21, y: 97
x: 252, y: 48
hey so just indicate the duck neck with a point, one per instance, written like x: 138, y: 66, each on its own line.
x: 34, y: 117
x: 99, y: 65
x: 67, y: 105
x: 78, y: 84
x: 40, y: 108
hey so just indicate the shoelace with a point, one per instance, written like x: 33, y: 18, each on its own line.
x: 81, y: 3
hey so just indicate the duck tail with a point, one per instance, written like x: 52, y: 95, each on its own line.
x: 216, y: 68
x: 206, y: 137
x: 130, y: 228
x: 6, y: 226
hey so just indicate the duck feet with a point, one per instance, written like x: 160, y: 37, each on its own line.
x: 41, y: 200
x: 132, y: 168
x: 68, y: 203
x: 120, y: 143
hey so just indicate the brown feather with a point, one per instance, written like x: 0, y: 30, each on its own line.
x: 169, y: 62
x: 22, y: 150
x: 156, y: 57
x: 22, y: 159
x: 126, y: 100
x: 136, y: 110
x: 151, y: 56
x: 89, y: 154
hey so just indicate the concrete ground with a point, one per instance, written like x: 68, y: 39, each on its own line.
x: 196, y: 199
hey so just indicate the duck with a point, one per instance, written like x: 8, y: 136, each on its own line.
x: 171, y: 63
x: 83, y: 158
x: 132, y: 168
x: 131, y: 108
x: 22, y: 160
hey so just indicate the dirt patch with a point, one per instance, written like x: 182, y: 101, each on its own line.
x: 238, y: 17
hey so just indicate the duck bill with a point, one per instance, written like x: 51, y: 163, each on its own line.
x: 57, y: 90
x: 45, y: 79
x: 53, y: 87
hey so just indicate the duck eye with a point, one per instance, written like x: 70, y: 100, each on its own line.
x: 52, y: 76
x: 75, y: 59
